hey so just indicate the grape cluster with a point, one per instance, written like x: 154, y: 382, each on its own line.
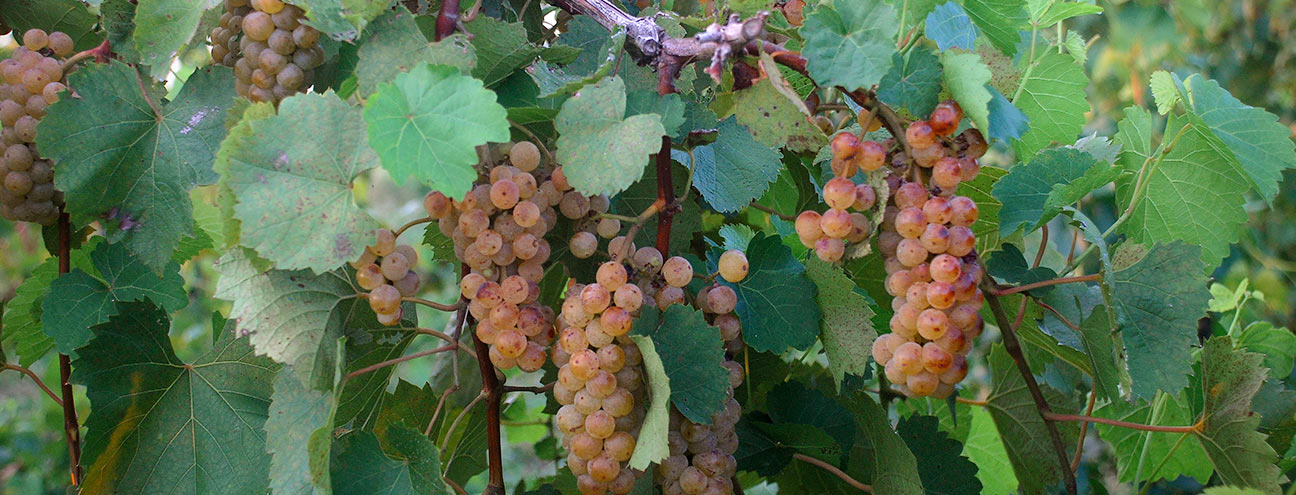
x: 272, y: 51
x: 31, y: 81
x: 702, y: 455
x: 498, y: 230
x: 828, y: 233
x: 932, y: 267
x: 385, y: 269
x: 600, y: 380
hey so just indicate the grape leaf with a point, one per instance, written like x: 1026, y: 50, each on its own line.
x: 879, y: 456
x: 1022, y: 430
x: 555, y: 81
x: 950, y: 27
x: 1053, y: 97
x: 284, y: 314
x: 586, y: 35
x: 787, y: 439
x: 1061, y: 11
x: 652, y: 445
x: 359, y: 465
x: 1257, y: 140
x: 913, y: 83
x: 428, y: 123
x: 1230, y: 379
x: 1158, y: 300
x: 1230, y: 490
x: 776, y: 300
x: 984, y: 447
x: 600, y: 151
x: 999, y: 20
x: 941, y: 465
x: 68, y: 16
x: 318, y: 226
x: 691, y: 352
x: 79, y: 300
x: 1194, y: 192
x: 1006, y: 122
x: 847, y: 328
x: 298, y: 434
x: 1164, y: 91
x: 953, y: 419
x: 160, y: 425
x: 1027, y: 192
x: 131, y: 169
x: 1277, y: 344
x: 669, y: 107
x: 1181, y: 459
x: 774, y: 120
x: 342, y: 20
x: 793, y: 402
x: 1083, y: 305
x: 735, y: 169
x: 981, y: 190
x: 393, y: 44
x: 162, y: 27
x: 22, y: 313
x: 966, y: 79
x: 849, y: 43
x: 501, y: 47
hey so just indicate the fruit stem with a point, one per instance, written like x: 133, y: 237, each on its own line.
x: 39, y: 383
x: 433, y: 304
x: 824, y: 465
x: 1045, y: 283
x: 393, y: 362
x: 411, y: 223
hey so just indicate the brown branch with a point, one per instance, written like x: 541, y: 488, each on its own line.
x: 432, y: 304
x: 39, y: 383
x: 537, y: 389
x: 407, y: 226
x: 772, y: 211
x: 447, y: 20
x: 449, y: 339
x: 392, y: 362
x: 1084, y: 429
x: 1015, y: 350
x: 1044, y: 283
x: 492, y: 392
x: 824, y: 465
x: 1194, y: 428
x: 436, y: 412
x: 71, y: 427
x: 665, y: 196
x: 1057, y: 315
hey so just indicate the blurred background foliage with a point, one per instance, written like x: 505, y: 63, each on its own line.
x: 1246, y: 45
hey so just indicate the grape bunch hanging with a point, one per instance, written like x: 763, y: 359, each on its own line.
x: 385, y: 269
x: 273, y: 53
x: 32, y: 80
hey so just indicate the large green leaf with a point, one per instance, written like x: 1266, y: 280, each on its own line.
x: 359, y: 465
x: 314, y: 147
x: 600, y: 151
x: 393, y: 44
x: 1186, y: 458
x: 941, y: 465
x: 1194, y: 192
x: 1158, y: 299
x: 879, y: 456
x: 298, y: 433
x: 22, y: 314
x: 735, y: 169
x: 999, y: 20
x: 774, y: 120
x: 1277, y: 344
x: 162, y: 27
x: 1257, y: 140
x: 954, y: 419
x: 1053, y: 98
x: 690, y: 351
x: 847, y: 328
x: 849, y: 43
x: 160, y: 425
x: 556, y: 81
x: 966, y: 79
x: 128, y: 168
x: 79, y: 300
x: 1021, y: 428
x: 501, y: 47
x: 1230, y: 378
x: 283, y: 314
x: 1035, y: 192
x: 428, y: 123
x: 914, y: 82
x: 776, y: 300
x: 984, y: 447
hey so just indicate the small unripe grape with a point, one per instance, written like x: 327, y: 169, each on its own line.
x: 961, y: 242
x: 511, y: 343
x: 945, y: 268
x: 963, y: 211
x: 835, y: 223
x: 525, y: 155
x: 600, y: 424
x: 922, y: 383
x: 616, y: 321
x: 871, y: 156
x: 946, y: 174
x: 722, y: 299
x: 919, y: 134
x: 944, y: 120
x: 830, y: 249
x: 898, y: 282
x: 932, y: 324
x: 611, y: 275
x: 807, y: 226
x: 910, y: 195
x: 628, y: 297
x: 384, y: 299
x: 908, y: 357
x: 940, y: 295
x: 595, y: 298
x: 865, y: 197
x: 583, y: 245
x: 935, y: 238
x: 677, y: 271
x: 733, y: 265
x: 910, y: 252
x: 844, y: 147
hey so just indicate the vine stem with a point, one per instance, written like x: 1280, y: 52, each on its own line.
x: 1084, y: 429
x: 824, y: 465
x: 447, y: 20
x: 100, y: 53
x: 434, y: 304
x: 1045, y: 283
x: 71, y: 427
x: 39, y: 383
x: 491, y: 392
x: 538, y: 389
x: 393, y: 362
x: 1041, y: 405
x: 772, y: 211
x: 411, y: 223
x: 1195, y: 427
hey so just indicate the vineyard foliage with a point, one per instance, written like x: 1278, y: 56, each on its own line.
x: 681, y: 247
